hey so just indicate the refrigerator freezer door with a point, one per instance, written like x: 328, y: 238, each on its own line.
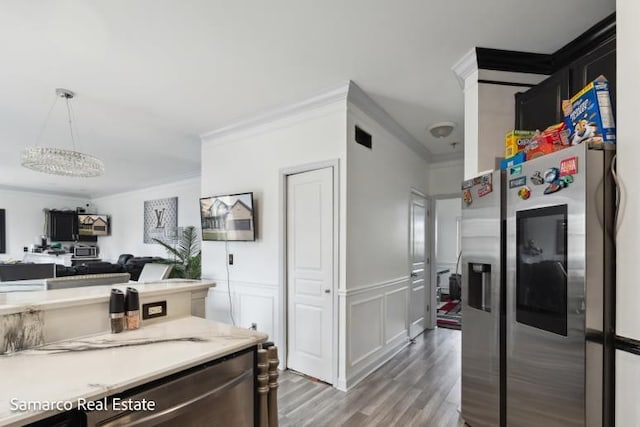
x: 546, y: 247
x: 481, y: 230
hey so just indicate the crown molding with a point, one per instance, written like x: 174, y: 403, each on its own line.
x: 595, y: 36
x: 341, y: 95
x: 547, y: 64
x: 514, y: 61
x: 364, y: 102
x: 465, y: 66
x: 481, y: 58
x: 266, y: 119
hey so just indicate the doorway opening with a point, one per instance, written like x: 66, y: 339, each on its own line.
x: 448, y: 245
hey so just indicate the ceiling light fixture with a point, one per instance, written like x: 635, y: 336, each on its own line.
x: 442, y: 129
x: 60, y: 161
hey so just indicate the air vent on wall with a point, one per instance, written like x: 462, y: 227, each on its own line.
x: 363, y: 138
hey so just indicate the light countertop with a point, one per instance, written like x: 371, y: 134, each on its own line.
x: 106, y: 364
x: 16, y: 302
x: 23, y: 286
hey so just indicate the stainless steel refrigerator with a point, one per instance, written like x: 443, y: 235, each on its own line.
x: 482, y: 288
x: 556, y: 254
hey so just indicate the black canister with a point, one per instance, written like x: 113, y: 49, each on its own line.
x: 116, y: 311
x: 132, y: 305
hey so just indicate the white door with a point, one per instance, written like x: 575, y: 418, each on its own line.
x: 310, y: 284
x: 418, y: 301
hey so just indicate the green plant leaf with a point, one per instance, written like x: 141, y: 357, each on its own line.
x: 194, y: 268
x: 187, y: 256
x: 170, y: 249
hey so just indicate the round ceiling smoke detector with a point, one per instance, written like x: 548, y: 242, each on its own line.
x: 442, y: 129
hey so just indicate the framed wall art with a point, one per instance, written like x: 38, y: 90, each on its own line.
x: 160, y: 219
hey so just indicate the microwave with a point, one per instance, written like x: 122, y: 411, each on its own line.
x: 85, y: 251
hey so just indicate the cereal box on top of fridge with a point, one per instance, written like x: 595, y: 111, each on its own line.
x: 550, y: 140
x: 516, y: 141
x: 589, y: 116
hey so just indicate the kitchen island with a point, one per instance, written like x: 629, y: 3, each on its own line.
x: 88, y: 369
x: 29, y: 319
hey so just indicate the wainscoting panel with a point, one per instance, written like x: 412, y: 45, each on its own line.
x: 417, y: 312
x: 376, y: 329
x: 258, y: 309
x: 376, y: 326
x: 396, y: 314
x: 367, y: 317
x: 251, y: 302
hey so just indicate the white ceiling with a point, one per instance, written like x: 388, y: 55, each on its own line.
x: 151, y: 75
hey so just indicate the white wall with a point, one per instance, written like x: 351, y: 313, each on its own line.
x: 25, y: 217
x: 628, y: 92
x: 379, y: 184
x: 448, y: 213
x: 471, y: 125
x: 489, y: 112
x: 251, y: 160
x: 445, y: 178
x: 127, y: 217
x: 496, y: 113
x: 628, y: 291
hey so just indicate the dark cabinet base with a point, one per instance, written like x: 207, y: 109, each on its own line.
x: 217, y: 394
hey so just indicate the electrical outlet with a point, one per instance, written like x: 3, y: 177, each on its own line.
x: 230, y: 259
x: 154, y: 309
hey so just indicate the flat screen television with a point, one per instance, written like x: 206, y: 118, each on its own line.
x: 93, y: 225
x: 228, y: 218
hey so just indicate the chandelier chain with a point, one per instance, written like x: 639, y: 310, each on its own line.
x: 75, y: 123
x: 46, y: 121
x: 73, y: 139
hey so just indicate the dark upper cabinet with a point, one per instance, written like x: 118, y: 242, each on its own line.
x: 601, y: 61
x: 63, y: 226
x: 540, y: 106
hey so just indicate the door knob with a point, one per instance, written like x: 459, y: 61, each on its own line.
x: 327, y: 291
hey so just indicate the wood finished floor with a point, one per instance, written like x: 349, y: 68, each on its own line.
x: 418, y: 387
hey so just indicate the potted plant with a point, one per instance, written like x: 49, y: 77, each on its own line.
x: 185, y: 256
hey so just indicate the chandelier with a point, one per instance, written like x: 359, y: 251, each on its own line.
x: 60, y: 161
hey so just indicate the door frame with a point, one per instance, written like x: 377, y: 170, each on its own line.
x: 432, y: 225
x: 282, y: 249
x: 427, y: 259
